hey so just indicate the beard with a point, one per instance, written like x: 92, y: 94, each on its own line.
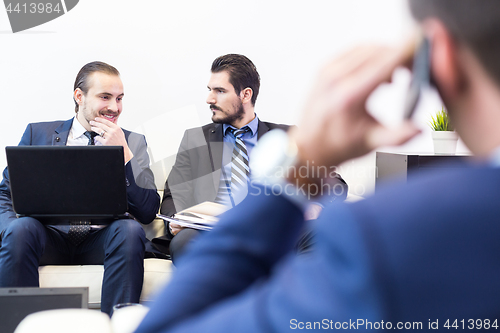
x: 86, y: 113
x: 90, y: 114
x: 228, y: 118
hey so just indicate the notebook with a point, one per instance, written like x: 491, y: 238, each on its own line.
x: 67, y: 182
x: 17, y: 303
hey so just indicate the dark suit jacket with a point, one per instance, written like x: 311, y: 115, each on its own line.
x: 143, y: 199
x: 418, y: 253
x: 196, y: 174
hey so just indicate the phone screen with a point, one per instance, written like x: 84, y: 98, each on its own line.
x: 421, y: 77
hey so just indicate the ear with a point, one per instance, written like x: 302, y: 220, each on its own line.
x: 79, y: 96
x: 246, y: 95
x: 446, y: 67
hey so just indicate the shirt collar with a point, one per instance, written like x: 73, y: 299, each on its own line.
x: 253, y: 125
x: 77, y: 128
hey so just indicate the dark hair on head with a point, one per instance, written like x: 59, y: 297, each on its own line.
x: 242, y: 73
x: 475, y: 23
x: 82, y: 79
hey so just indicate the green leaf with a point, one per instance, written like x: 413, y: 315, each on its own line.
x: 441, y: 121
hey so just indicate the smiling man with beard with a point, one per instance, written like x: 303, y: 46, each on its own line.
x: 212, y: 162
x: 26, y: 243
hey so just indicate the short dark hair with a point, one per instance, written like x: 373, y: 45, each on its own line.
x: 476, y: 24
x: 82, y: 79
x: 242, y: 73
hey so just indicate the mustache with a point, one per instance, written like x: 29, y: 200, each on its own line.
x: 215, y: 107
x: 108, y: 112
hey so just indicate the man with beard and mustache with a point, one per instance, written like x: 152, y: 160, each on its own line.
x: 26, y: 243
x: 203, y: 168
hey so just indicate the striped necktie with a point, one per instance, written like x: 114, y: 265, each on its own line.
x: 240, y: 172
x: 90, y: 135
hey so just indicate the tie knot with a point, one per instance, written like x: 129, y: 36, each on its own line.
x: 90, y: 135
x: 238, y: 133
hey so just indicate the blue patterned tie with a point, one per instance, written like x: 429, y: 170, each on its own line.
x: 240, y: 171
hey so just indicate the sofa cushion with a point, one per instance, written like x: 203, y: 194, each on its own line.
x: 157, y: 272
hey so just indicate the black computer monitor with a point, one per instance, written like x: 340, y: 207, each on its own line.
x: 17, y: 303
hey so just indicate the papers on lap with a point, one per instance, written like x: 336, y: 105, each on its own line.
x: 201, y: 217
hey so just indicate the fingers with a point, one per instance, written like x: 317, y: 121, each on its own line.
x: 336, y: 125
x: 105, y: 129
x: 175, y: 228
x: 364, y: 67
x: 111, y: 134
x: 378, y: 69
x: 99, y: 124
x: 382, y: 136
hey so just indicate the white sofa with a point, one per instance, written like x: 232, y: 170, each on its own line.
x: 157, y: 273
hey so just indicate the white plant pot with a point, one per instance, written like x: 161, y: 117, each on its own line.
x: 445, y: 142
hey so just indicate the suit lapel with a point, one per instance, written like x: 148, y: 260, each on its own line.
x: 215, y: 148
x: 262, y: 129
x: 215, y: 143
x: 60, y: 137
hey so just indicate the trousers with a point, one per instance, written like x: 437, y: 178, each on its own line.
x: 25, y: 244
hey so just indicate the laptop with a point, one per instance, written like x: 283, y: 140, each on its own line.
x: 17, y: 303
x: 67, y: 182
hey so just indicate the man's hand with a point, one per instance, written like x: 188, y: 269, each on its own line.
x: 174, y: 228
x: 111, y: 134
x: 336, y: 126
x: 312, y: 212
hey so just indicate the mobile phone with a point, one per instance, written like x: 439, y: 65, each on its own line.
x: 421, y: 76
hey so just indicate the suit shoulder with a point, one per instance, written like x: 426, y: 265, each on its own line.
x: 279, y: 126
x: 206, y: 127
x: 203, y: 131
x: 133, y: 136
x: 127, y: 133
x: 46, y: 124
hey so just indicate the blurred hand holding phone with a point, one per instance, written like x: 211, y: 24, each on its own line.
x: 421, y: 79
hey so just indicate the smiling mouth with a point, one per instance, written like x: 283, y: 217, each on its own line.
x: 110, y: 117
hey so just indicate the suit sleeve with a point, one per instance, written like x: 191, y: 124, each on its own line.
x: 338, y: 188
x: 239, y: 279
x: 228, y: 259
x: 7, y: 213
x: 178, y: 191
x: 143, y: 198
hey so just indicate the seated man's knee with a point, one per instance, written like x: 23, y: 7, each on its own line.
x: 128, y: 231
x: 181, y: 241
x: 24, y: 229
x: 23, y: 234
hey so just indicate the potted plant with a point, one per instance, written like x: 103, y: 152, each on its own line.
x: 443, y: 134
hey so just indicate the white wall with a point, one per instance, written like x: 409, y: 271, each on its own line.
x: 164, y: 50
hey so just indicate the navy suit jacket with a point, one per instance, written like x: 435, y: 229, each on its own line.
x: 418, y: 253
x: 143, y: 199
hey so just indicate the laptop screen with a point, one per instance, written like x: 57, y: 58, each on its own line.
x: 71, y: 182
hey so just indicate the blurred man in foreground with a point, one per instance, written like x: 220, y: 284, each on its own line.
x: 420, y: 256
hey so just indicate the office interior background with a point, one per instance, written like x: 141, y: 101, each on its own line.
x: 164, y: 50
